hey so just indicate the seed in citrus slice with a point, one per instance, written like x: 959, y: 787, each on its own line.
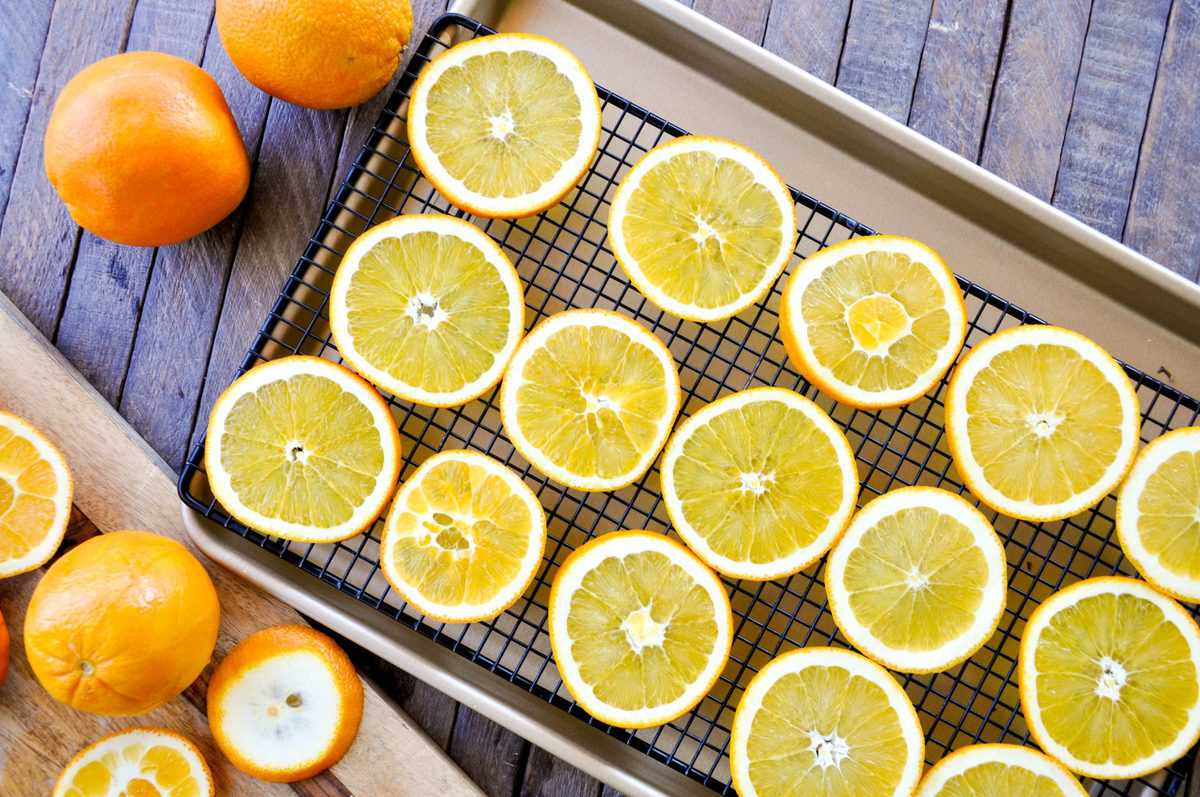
x: 640, y: 628
x: 147, y: 762
x: 464, y: 537
x: 1002, y: 770
x: 874, y: 321
x: 1158, y: 513
x: 285, y: 703
x: 589, y: 398
x: 825, y: 721
x: 302, y: 449
x: 35, y: 497
x: 1110, y: 678
x: 504, y: 125
x: 759, y: 483
x: 918, y: 582
x: 1042, y: 422
x: 702, y: 226
x: 427, y: 307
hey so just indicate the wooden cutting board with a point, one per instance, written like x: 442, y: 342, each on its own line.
x: 120, y: 483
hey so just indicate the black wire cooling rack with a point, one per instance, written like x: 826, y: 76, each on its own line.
x: 564, y: 262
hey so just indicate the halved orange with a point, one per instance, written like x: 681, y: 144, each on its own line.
x: 140, y: 762
x: 35, y: 497
x: 285, y: 703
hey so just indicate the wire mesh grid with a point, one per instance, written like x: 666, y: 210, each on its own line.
x: 564, y: 262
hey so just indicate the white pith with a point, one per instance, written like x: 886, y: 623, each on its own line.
x: 566, y: 176
x: 514, y: 378
x: 568, y: 582
x: 805, y: 658
x: 990, y: 607
x: 283, y: 369
x: 508, y: 593
x: 817, y: 263
x: 980, y: 358
x: 800, y: 557
x: 1028, y: 674
x: 763, y: 175
x: 424, y: 309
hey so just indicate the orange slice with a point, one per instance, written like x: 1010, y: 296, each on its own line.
x: 35, y: 497
x: 141, y: 762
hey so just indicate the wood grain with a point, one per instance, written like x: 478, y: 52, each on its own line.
x: 809, y: 33
x: 108, y: 281
x: 547, y: 776
x: 1033, y: 92
x: 1164, y: 215
x: 121, y: 483
x: 1108, y: 117
x: 747, y: 18
x: 490, y: 754
x: 21, y: 39
x: 882, y: 53
x: 183, y: 299
x: 38, y: 237
x: 958, y: 67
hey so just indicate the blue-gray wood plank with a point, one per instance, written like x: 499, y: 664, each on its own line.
x: 1091, y: 104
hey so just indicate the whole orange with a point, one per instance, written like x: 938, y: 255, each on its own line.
x: 144, y: 151
x: 316, y: 53
x: 122, y: 623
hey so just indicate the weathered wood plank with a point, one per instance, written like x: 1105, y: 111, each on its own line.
x: 108, y: 282
x: 884, y: 39
x: 1032, y: 98
x: 21, y: 38
x: 746, y: 18
x: 289, y: 197
x: 429, y: 708
x: 958, y: 68
x: 809, y: 33
x: 490, y: 755
x: 1108, y: 117
x: 187, y: 286
x: 547, y: 776
x: 37, y: 237
x: 1164, y: 216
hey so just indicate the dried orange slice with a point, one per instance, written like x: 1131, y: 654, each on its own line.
x: 285, y: 703
x: 35, y: 497
x: 999, y: 770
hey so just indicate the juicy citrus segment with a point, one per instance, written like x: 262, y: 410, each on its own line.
x: 464, y: 537
x: 35, y: 497
x: 589, y: 398
x: 1158, y: 513
x: 302, y: 449
x: 1041, y: 421
x: 918, y: 581
x: 825, y: 722
x: 874, y: 321
x: 285, y: 703
x: 640, y: 628
x: 702, y: 226
x: 427, y: 307
x: 750, y: 501
x: 999, y: 769
x: 143, y: 762
x: 504, y: 125
x: 1110, y: 678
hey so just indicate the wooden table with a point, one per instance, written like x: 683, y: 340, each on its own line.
x: 1094, y: 106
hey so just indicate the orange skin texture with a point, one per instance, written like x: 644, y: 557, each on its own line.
x: 3, y: 650
x: 142, y: 149
x: 253, y: 651
x: 137, y: 609
x: 316, y: 53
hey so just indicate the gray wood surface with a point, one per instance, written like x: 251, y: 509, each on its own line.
x: 1092, y: 104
